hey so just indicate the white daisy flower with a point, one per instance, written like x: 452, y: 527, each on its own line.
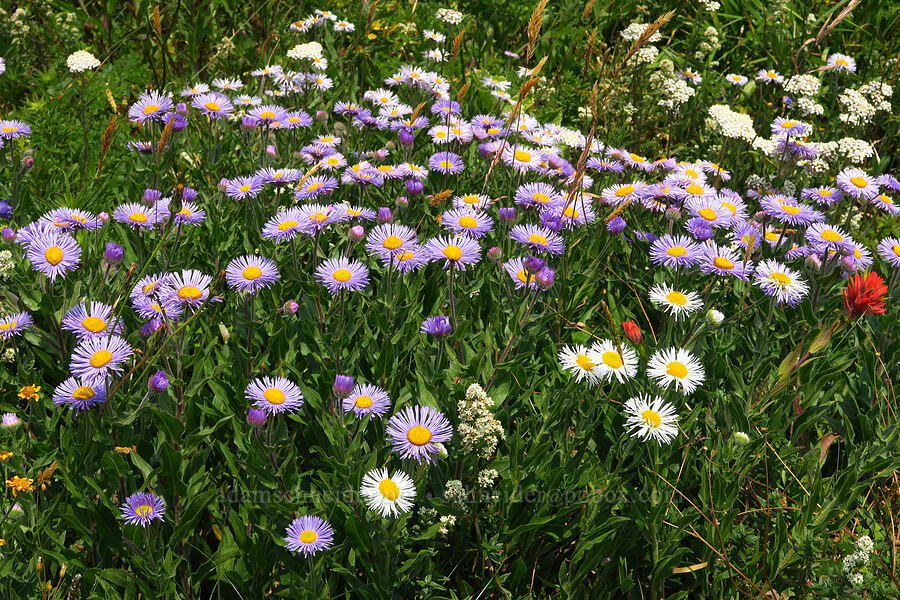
x: 581, y: 362
x: 623, y: 366
x: 389, y: 495
x: 651, y: 418
x: 675, y: 302
x: 678, y: 366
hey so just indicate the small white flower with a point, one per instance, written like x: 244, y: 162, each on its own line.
x: 651, y: 417
x: 389, y: 495
x: 676, y: 366
x: 81, y: 61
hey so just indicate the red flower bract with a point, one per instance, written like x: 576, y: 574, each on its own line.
x: 865, y: 295
x: 633, y: 332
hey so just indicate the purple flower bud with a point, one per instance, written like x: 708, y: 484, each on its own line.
x: 545, y: 278
x: 508, y: 214
x: 291, y: 307
x: 27, y: 162
x: 495, y: 253
x: 551, y: 221
x: 381, y: 153
x: 321, y: 115
x: 384, y: 214
x: 414, y: 187
x: 113, y: 253
x: 761, y: 217
x: 438, y: 327
x: 159, y: 382
x: 402, y: 202
x: 104, y: 216
x: 813, y: 262
x: 406, y: 137
x: 343, y: 386
x: 151, y: 196
x: 256, y: 416
x: 673, y: 213
x: 188, y: 194
x: 357, y: 232
x: 223, y: 184
x: 248, y: 123
x: 534, y: 264
x: 180, y: 123
x: 8, y: 234
x: 5, y: 210
x: 616, y: 225
x: 270, y: 150
x: 151, y: 327
x: 181, y: 108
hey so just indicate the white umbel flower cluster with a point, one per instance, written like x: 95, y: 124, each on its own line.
x: 852, y: 563
x: 673, y: 90
x: 309, y: 51
x: 479, y: 431
x: 449, y: 16
x: 878, y: 93
x: 858, y: 110
x: 803, y: 85
x: 6, y: 264
x: 809, y: 107
x: 732, y: 124
x: 636, y: 30
x: 81, y: 61
x: 854, y: 150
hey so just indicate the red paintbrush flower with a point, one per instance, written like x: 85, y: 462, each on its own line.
x: 633, y: 332
x: 865, y: 295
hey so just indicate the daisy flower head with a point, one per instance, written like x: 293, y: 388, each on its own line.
x: 150, y: 287
x: 857, y: 183
x: 143, y: 508
x: 164, y: 309
x: 576, y: 212
x: 537, y: 195
x: 715, y: 170
x: 189, y: 214
x: 675, y: 302
x: 214, y: 105
x: 309, y: 535
x: 832, y: 237
x: 472, y: 202
x: 244, y: 187
x: 316, y: 217
x: 388, y: 238
x: 649, y: 418
x: 788, y: 127
x: 723, y: 261
x: 72, y: 219
x: 676, y: 366
x: 538, y: 238
x: 614, y: 364
x: 227, y: 85
x: 12, y: 129
x: 415, y: 431
x: 439, y: 326
x: 251, y: 273
x: 459, y: 251
x: 137, y: 216
x: 446, y: 162
x: 769, y: 76
x: 710, y: 209
x: 54, y: 255
x: 389, y: 495
x: 841, y: 63
x: 190, y: 287
x: 339, y: 274
x: 621, y: 193
x: 886, y: 204
x: 521, y: 158
x: 79, y: 394
x: 519, y: 274
x: 674, y: 251
x: 888, y: 249
x: 780, y: 282
x: 473, y: 223
x: 824, y: 195
x: 581, y: 362
x: 367, y: 400
x: 96, y: 357
x: 738, y: 80
x: 150, y: 106
x: 268, y: 113
x: 95, y: 320
x: 193, y: 91
x: 15, y: 324
x: 275, y: 395
x: 790, y: 211
x: 283, y: 226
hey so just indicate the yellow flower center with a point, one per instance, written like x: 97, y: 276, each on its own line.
x: 791, y: 210
x: 389, y: 489
x: 212, y: 106
x: 446, y: 164
x: 252, y: 273
x: 841, y: 62
x: 731, y: 208
x: 676, y: 297
x: 54, y: 255
x: 143, y: 510
x: 471, y: 199
x: 583, y: 361
x: 896, y: 249
x: 612, y: 360
x: 676, y: 369
x: 825, y: 193
x: 859, y: 182
x: 150, y: 109
x: 138, y: 217
x: 781, y: 278
x: 885, y: 199
x: 101, y: 358
x: 624, y: 190
x: 274, y: 396
x: 723, y: 263
x: 392, y: 242
x: 10, y: 129
x: 542, y: 198
x: 285, y: 225
x: 829, y: 235
x: 404, y: 255
x: 692, y: 174
x: 308, y: 537
x: 94, y: 324
x: 676, y: 251
x: 708, y: 214
x: 342, y: 275
x: 189, y: 292
x: 453, y: 252
x: 570, y: 212
x: 694, y: 189
x: 267, y: 114
x: 12, y: 324
x: 788, y: 124
x: 418, y: 435
x: 651, y: 418
x: 537, y: 239
x: 363, y: 401
x: 245, y: 188
x: 318, y: 217
x: 83, y: 392
x: 522, y: 156
x: 468, y: 222
x: 521, y: 275
x: 183, y: 213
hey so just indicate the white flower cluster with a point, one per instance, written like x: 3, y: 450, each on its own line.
x: 8, y: 356
x: 710, y: 5
x: 6, y: 263
x: 852, y: 563
x: 570, y: 137
x: 487, y: 477
x: 636, y: 30
x: 827, y: 151
x: 854, y: 150
x: 808, y: 107
x: 816, y: 166
x: 803, y: 85
x: 878, y: 94
x: 645, y: 55
x: 858, y: 110
x: 732, y: 124
x: 447, y: 521
x: 309, y: 50
x: 455, y: 493
x: 449, y: 16
x: 709, y: 43
x: 81, y: 61
x: 479, y: 430
x: 674, y: 90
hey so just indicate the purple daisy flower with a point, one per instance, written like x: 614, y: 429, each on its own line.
x: 251, y: 273
x: 275, y: 395
x: 72, y: 219
x: 857, y: 183
x: 14, y: 324
x: 824, y: 236
x: 788, y: 127
x: 539, y: 239
x: 439, y: 326
x: 190, y: 214
x: 268, y: 113
x: 164, y: 309
x: 96, y: 357
x: 446, y: 162
x: 243, y: 187
x: 278, y: 177
x: 888, y: 249
x: 136, y: 216
x: 341, y: 273
x: 54, y: 255
x: 79, y: 394
x: 619, y: 194
x: 316, y: 217
x: 886, y: 204
x: 309, y: 535
x: 355, y: 213
x: 96, y: 322
x: 11, y: 129
x: 367, y: 400
x: 315, y: 186
x: 389, y: 238
x: 458, y: 250
x: 519, y: 274
x: 415, y: 431
x: 143, y: 508
x: 674, y: 251
x: 601, y: 165
x: 473, y: 223
x: 214, y: 105
x: 537, y: 195
x: 283, y: 226
x: 824, y: 195
x: 790, y: 212
x: 411, y: 257
x: 711, y: 210
x: 297, y: 119
x: 888, y: 181
x: 723, y: 261
x: 190, y: 287
x: 150, y: 286
x: 151, y: 106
